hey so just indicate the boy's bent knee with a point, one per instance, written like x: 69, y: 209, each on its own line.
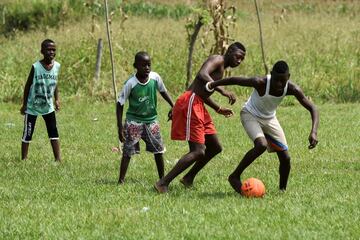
x: 216, y: 149
x: 284, y: 157
x: 198, y: 153
x: 260, y: 144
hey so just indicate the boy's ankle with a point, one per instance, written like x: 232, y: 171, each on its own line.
x: 160, y: 187
x: 187, y: 182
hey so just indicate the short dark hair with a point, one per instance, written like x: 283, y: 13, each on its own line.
x: 236, y: 45
x: 46, y: 42
x: 280, y: 67
x: 140, y: 55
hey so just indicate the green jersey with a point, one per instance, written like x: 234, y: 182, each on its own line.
x: 40, y: 99
x: 142, y: 98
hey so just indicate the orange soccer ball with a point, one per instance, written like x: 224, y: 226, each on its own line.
x: 253, y: 187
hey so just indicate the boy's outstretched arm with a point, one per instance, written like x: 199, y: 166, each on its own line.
x: 306, y: 103
x: 167, y: 98
x: 223, y: 111
x: 26, y: 90
x: 242, y: 81
x: 119, y: 113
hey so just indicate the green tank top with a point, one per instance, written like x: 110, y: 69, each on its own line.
x: 40, y: 99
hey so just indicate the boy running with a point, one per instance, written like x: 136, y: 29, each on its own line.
x: 258, y: 117
x: 141, y: 116
x: 40, y: 88
x: 191, y: 121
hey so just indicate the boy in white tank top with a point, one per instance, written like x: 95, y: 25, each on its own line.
x: 258, y: 117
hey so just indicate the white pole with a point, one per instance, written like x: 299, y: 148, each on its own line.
x: 111, y: 59
x: 261, y: 38
x: 110, y: 48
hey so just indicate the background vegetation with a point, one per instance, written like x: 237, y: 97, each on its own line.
x: 318, y: 39
x: 79, y: 199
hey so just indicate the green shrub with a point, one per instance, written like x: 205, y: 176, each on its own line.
x: 322, y: 50
x: 35, y: 14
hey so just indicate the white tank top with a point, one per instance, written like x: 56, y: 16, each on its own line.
x: 264, y: 106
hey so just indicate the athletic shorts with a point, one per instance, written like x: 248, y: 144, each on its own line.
x: 29, y: 126
x: 270, y: 129
x: 149, y: 132
x: 190, y: 119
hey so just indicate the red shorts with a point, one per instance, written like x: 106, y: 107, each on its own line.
x: 190, y: 120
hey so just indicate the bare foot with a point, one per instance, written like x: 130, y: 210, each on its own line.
x: 235, y: 183
x: 160, y: 188
x: 186, y: 183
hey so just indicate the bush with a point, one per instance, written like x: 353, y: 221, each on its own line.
x: 31, y: 15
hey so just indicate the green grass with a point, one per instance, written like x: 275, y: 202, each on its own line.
x: 80, y: 199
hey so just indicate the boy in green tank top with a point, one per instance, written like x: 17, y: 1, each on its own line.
x: 40, y: 88
x: 141, y: 116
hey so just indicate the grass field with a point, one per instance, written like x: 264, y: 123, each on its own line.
x: 80, y: 199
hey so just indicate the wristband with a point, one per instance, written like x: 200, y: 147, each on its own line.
x: 207, y: 87
x: 219, y: 109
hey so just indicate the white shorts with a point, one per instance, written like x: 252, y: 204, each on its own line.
x: 270, y: 129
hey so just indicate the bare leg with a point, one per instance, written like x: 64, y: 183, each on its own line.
x: 123, y: 168
x: 159, y: 164
x: 196, y: 151
x: 259, y: 148
x: 24, y: 150
x: 284, y: 168
x: 55, y: 144
x: 213, y: 148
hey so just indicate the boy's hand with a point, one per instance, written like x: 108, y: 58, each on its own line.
x: 170, y: 115
x: 57, y: 105
x: 121, y: 134
x: 231, y: 96
x: 313, y: 140
x: 22, y: 110
x: 225, y: 111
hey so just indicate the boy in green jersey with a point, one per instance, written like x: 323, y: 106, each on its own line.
x: 40, y: 88
x: 141, y: 116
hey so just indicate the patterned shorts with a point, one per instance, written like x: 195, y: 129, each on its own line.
x: 149, y: 132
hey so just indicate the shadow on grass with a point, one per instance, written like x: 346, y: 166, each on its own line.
x: 128, y: 181
x: 194, y: 192
x: 218, y: 195
x: 106, y: 181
